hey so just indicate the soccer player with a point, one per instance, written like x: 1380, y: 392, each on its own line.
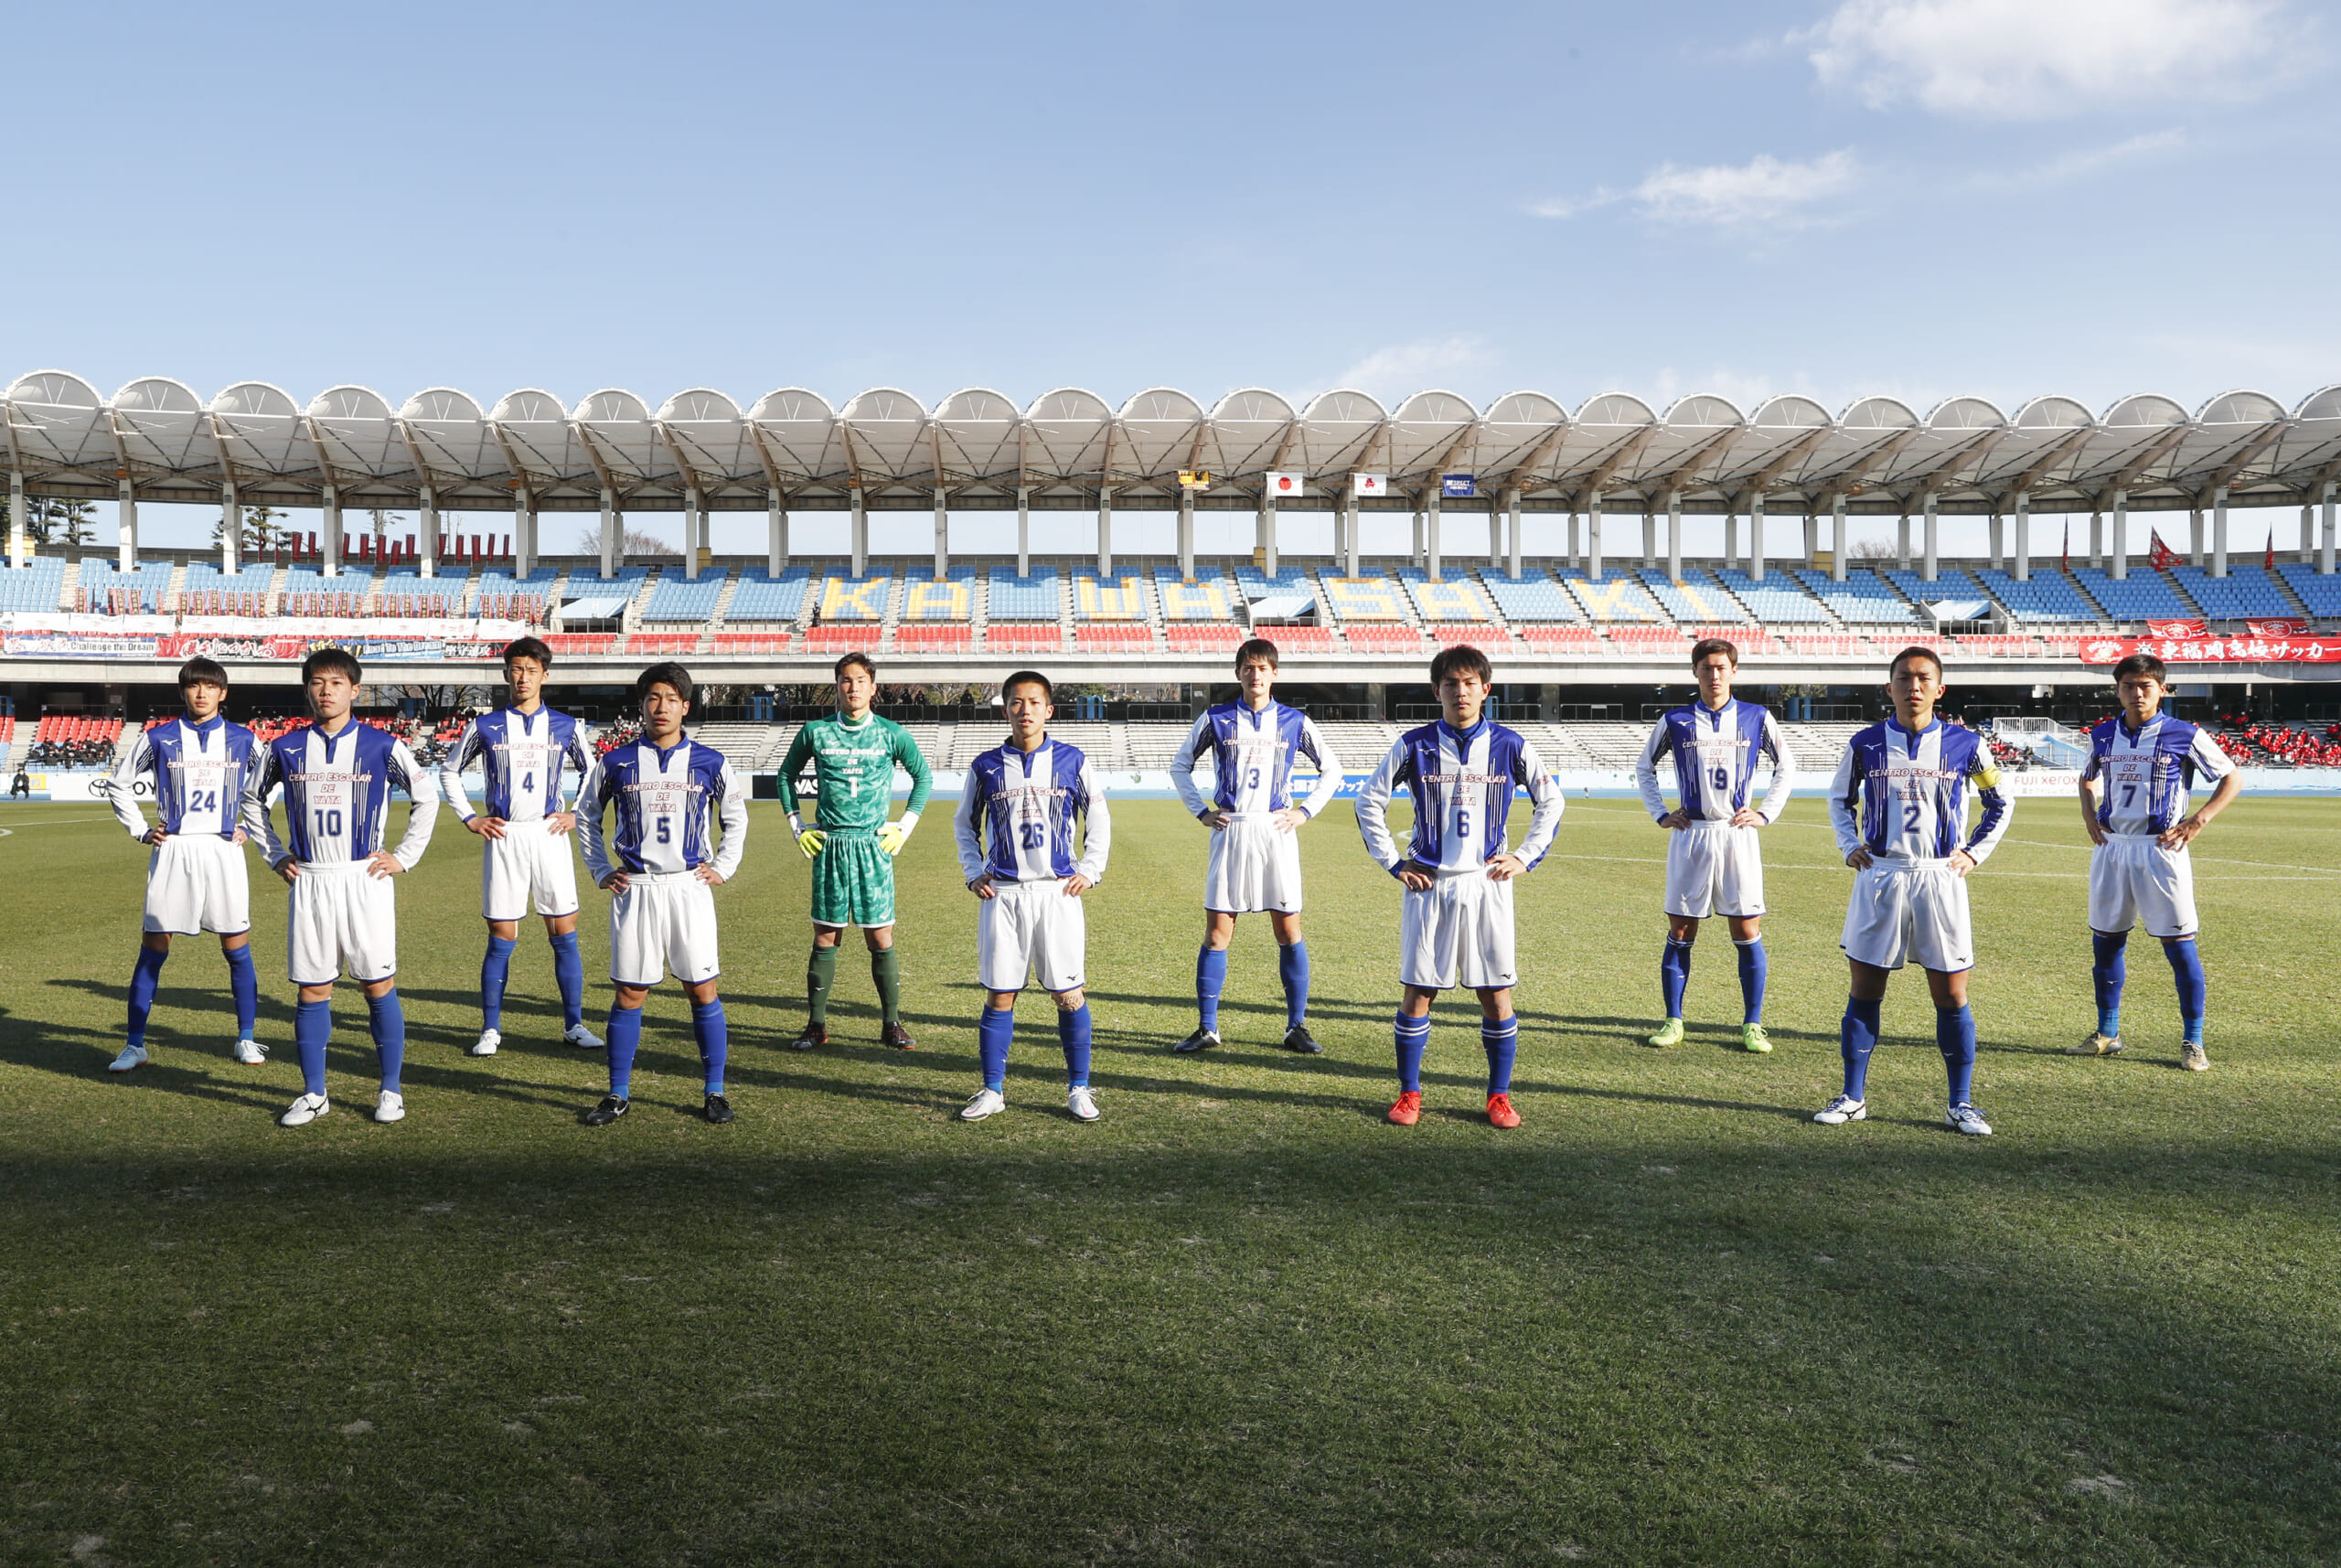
x: 195, y: 879
x: 2145, y: 765
x: 1255, y: 825
x: 1713, y: 865
x: 665, y: 786
x: 1455, y: 917
x: 852, y: 844
x: 336, y: 775
x: 1899, y: 805
x: 1019, y: 809
x: 523, y: 749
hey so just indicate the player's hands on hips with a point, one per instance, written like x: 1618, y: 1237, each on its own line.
x: 890, y: 839
x: 1289, y: 819
x: 1962, y: 862
x: 156, y: 835
x: 241, y: 837
x: 1076, y: 885
x: 1748, y: 817
x: 382, y: 863
x: 2182, y: 833
x: 1215, y: 818
x: 1503, y: 867
x: 708, y: 874
x: 615, y: 882
x: 287, y: 869
x: 560, y: 822
x: 2090, y: 826
x: 1674, y: 821
x: 1414, y: 875
x: 1861, y: 860
x: 982, y: 887
x: 486, y: 827
x: 810, y: 841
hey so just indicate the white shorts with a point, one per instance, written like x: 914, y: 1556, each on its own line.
x: 1031, y: 929
x: 2131, y: 878
x: 1902, y: 909
x: 529, y: 864
x: 1713, y: 868
x: 197, y: 883
x: 1253, y: 867
x: 341, y: 919
x: 664, y: 922
x: 1458, y: 929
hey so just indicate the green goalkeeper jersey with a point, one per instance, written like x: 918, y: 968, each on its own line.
x: 853, y: 771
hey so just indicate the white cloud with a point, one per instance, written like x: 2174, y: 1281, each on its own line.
x: 1404, y: 367
x: 2021, y: 60
x: 1765, y: 191
x: 2075, y: 164
x: 1575, y: 205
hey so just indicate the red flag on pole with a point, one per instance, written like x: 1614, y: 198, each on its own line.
x: 2164, y: 558
x: 2268, y: 558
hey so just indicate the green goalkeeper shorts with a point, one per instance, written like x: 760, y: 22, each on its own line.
x: 854, y: 880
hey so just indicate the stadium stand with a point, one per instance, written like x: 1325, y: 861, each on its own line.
x: 663, y: 645
x: 1380, y: 638
x: 1826, y: 644
x: 1619, y: 598
x: 1949, y: 587
x: 1258, y: 585
x: 927, y: 598
x: 1779, y: 599
x: 208, y: 591
x: 2142, y: 595
x: 1454, y: 599
x: 505, y: 597
x: 1033, y: 598
x: 1364, y: 599
x: 1550, y: 637
x: 2047, y: 598
x: 581, y: 641
x: 406, y: 592
x: 1753, y: 642
x: 1862, y: 600
x: 1694, y: 600
x: 1646, y: 640
x: 1204, y: 599
x: 933, y: 637
x: 1112, y: 636
x: 1222, y: 638
x: 1292, y: 639
x: 1534, y: 597
x: 1121, y: 598
x: 2247, y: 592
x: 1995, y: 647
x: 308, y: 591
x: 1023, y: 637
x: 72, y: 741
x: 2060, y: 645
x: 676, y: 598
x: 102, y: 590
x: 2321, y: 596
x: 846, y: 598
x: 763, y: 597
x: 740, y: 642
x: 836, y: 639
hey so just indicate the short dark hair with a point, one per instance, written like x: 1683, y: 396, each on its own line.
x: 1255, y: 648
x: 1915, y: 652
x: 201, y: 671
x: 856, y: 657
x: 1462, y: 660
x: 2143, y: 664
x: 529, y: 648
x: 1705, y: 647
x: 667, y: 674
x: 341, y: 659
x: 1027, y: 677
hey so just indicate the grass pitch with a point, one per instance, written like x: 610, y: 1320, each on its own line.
x: 1239, y: 1320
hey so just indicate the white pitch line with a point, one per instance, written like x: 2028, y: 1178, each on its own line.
x: 61, y: 821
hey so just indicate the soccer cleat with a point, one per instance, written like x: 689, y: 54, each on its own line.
x: 612, y: 1107
x: 2193, y: 1058
x: 986, y: 1102
x: 1409, y: 1109
x: 1966, y: 1118
x: 251, y: 1052
x: 897, y: 1036
x: 390, y: 1106
x: 584, y: 1038
x: 1669, y: 1033
x: 1081, y: 1103
x: 719, y: 1109
x: 1202, y: 1040
x: 2097, y: 1044
x: 1499, y: 1112
x: 304, y: 1111
x: 490, y: 1039
x: 1843, y: 1109
x: 808, y: 1037
x: 132, y: 1056
x: 1298, y: 1038
x: 1753, y: 1038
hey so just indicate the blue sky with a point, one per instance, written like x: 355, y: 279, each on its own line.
x: 1836, y: 197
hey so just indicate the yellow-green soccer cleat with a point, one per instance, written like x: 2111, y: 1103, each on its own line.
x: 2097, y: 1045
x: 1670, y: 1034
x: 1753, y: 1038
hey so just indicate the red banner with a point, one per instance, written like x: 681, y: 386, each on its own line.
x: 2214, y: 650
x: 188, y: 645
x: 2289, y: 627
x: 2183, y: 629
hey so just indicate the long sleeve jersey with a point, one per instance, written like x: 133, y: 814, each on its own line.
x: 664, y: 802
x: 2147, y: 775
x: 1463, y: 781
x: 200, y: 773
x: 337, y: 795
x: 522, y: 759
x: 1253, y: 756
x: 853, y: 772
x: 1904, y: 795
x: 1019, y: 812
x: 1715, y: 751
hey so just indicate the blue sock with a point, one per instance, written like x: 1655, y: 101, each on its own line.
x: 387, y: 1021
x: 312, y: 1028
x: 1413, y: 1035
x: 1753, y: 967
x: 714, y: 1039
x: 1292, y: 967
x: 494, y: 970
x: 1501, y: 1040
x: 625, y: 1037
x: 1674, y: 976
x: 569, y: 974
x: 1211, y: 979
x: 2106, y: 975
x: 243, y: 985
x: 994, y: 1030
x: 1955, y: 1038
x: 2187, y: 968
x: 1073, y: 1030
x: 144, y: 977
x: 1856, y: 1038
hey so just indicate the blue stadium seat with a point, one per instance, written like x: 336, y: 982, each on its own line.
x: 2143, y: 594
x: 1040, y: 597
x: 1862, y: 600
x: 678, y: 599
x: 2247, y: 592
x: 1209, y: 598
x: 1779, y: 599
x: 148, y: 581
x: 1454, y: 599
x: 1534, y: 597
x: 1695, y: 601
x: 39, y: 586
x: 948, y: 600
x: 1616, y: 597
x: 2321, y: 594
x: 763, y: 597
x: 2047, y: 598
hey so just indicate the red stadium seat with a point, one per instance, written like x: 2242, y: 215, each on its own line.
x: 839, y: 638
x: 1561, y: 639
x: 1217, y: 638
x: 1297, y: 639
x: 1368, y: 639
x: 1023, y: 637
x: 1481, y: 635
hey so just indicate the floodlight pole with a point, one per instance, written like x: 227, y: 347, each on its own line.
x: 2219, y: 530
x: 330, y: 516
x: 2022, y: 535
x: 775, y: 533
x: 942, y: 536
x: 428, y: 561
x: 126, y: 501
x: 1512, y: 506
x: 1837, y: 537
x: 1674, y: 537
x: 1927, y: 570
x: 1186, y: 532
x: 612, y: 541
x: 2121, y: 552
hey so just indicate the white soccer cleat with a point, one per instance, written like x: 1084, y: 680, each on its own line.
x: 488, y: 1041
x: 132, y: 1056
x: 251, y: 1052
x: 584, y: 1038
x: 304, y: 1111
x: 390, y: 1106
x: 2194, y: 1058
x: 1081, y: 1103
x: 1843, y: 1109
x: 1967, y: 1119
x: 986, y: 1102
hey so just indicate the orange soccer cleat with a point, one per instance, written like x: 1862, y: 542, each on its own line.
x: 1499, y: 1112
x: 1409, y: 1108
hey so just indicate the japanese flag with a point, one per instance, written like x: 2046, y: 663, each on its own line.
x: 1369, y: 483
x: 1284, y: 485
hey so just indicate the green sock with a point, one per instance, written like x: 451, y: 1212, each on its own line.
x: 820, y: 978
x: 886, y: 969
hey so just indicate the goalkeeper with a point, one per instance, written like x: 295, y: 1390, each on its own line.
x: 852, y: 844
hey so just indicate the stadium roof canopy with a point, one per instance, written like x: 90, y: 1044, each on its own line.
x: 700, y: 450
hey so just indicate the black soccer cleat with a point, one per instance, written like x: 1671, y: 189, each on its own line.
x: 898, y: 1037
x: 808, y: 1037
x: 1298, y: 1038
x: 612, y: 1107
x: 719, y: 1109
x: 1202, y: 1040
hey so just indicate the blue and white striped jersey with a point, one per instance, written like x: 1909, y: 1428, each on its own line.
x: 1463, y: 781
x: 1019, y: 810
x: 2147, y: 775
x: 1716, y: 751
x: 1904, y: 796
x: 522, y: 757
x: 663, y: 802
x: 337, y: 795
x: 200, y: 772
x: 1253, y: 756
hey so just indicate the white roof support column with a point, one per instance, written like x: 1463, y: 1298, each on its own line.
x: 2022, y: 502
x: 1838, y: 547
x: 1593, y: 535
x: 613, y: 535
x: 1674, y: 537
x: 1024, y: 533
x: 1997, y: 533
x: 1414, y: 557
x: 1731, y: 531
x: 2121, y: 567
x: 1576, y: 555
x: 860, y: 535
x: 2308, y: 533
x: 1902, y: 542
x: 126, y: 499
x: 1649, y: 536
x: 1756, y: 537
x: 775, y: 532
x: 1512, y: 527
x: 330, y: 533
x: 692, y: 531
x: 1811, y: 537
x: 1430, y: 529
x: 231, y: 529
x: 524, y: 532
x: 2194, y: 533
x: 2219, y: 531
x: 942, y: 534
x: 1349, y: 534
x: 18, y: 534
x: 1105, y: 533
x: 427, y: 554
x: 1496, y: 533
x: 1933, y: 537
x: 1186, y: 534
x: 2326, y: 541
x: 2097, y: 537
